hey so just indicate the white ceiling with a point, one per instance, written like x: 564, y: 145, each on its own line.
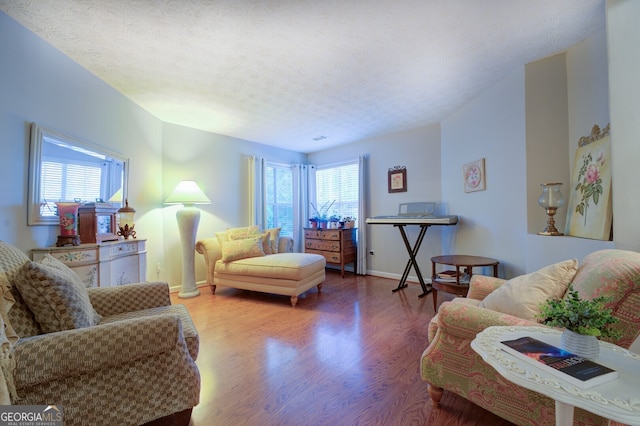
x: 283, y: 72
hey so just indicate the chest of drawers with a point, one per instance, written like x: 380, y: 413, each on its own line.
x: 338, y: 246
x: 103, y: 264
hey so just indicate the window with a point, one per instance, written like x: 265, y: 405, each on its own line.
x: 337, y: 186
x: 67, y: 181
x: 279, y: 198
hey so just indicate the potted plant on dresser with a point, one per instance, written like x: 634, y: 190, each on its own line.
x: 584, y: 321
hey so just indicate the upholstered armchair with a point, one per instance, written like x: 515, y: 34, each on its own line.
x: 119, y: 355
x: 450, y: 364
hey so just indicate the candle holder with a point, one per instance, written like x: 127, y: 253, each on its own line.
x: 551, y: 200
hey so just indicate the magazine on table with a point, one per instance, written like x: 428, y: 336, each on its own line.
x: 452, y: 276
x: 579, y: 371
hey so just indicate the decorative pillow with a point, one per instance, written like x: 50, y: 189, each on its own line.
x: 242, y: 249
x: 6, y: 302
x: 243, y: 233
x: 521, y: 296
x: 266, y: 243
x: 274, y: 236
x: 55, y: 294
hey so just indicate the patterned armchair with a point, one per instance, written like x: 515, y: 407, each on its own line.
x: 449, y: 363
x: 133, y: 365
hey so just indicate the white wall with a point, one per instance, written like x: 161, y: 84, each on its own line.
x: 623, y: 34
x: 492, y: 126
x: 40, y: 84
x: 419, y: 151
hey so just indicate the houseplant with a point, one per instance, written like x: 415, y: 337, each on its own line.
x: 320, y: 215
x: 584, y: 321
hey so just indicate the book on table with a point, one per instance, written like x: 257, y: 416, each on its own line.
x: 579, y: 371
x: 452, y: 276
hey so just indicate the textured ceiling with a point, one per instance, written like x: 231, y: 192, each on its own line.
x: 283, y: 72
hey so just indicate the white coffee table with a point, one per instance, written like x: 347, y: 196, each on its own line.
x: 617, y: 400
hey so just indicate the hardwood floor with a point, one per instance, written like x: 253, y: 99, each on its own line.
x: 346, y: 356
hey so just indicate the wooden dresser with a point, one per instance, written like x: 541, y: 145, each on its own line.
x: 338, y: 246
x: 104, y: 264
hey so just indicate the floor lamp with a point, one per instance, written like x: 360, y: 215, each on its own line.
x: 188, y: 194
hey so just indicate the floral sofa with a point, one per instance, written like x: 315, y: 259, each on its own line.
x: 250, y: 259
x: 117, y: 355
x: 449, y: 363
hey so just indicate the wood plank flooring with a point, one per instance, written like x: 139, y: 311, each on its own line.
x: 346, y: 356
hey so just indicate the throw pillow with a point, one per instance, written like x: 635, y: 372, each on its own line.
x: 6, y: 302
x: 243, y: 232
x: 56, y: 295
x: 242, y: 249
x: 266, y: 243
x: 521, y: 296
x: 274, y: 237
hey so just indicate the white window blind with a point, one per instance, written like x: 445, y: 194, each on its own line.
x: 279, y: 198
x: 68, y: 181
x: 337, y: 186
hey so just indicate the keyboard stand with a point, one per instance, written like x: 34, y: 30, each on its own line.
x: 413, y: 252
x: 424, y: 223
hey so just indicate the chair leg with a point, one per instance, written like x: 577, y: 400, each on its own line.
x: 183, y: 418
x: 319, y: 287
x: 294, y: 300
x: 213, y: 288
x: 435, y: 393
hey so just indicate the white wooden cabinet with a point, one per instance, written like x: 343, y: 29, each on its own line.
x: 105, y: 264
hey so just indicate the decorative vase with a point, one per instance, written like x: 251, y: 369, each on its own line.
x: 585, y: 346
x: 68, y: 214
x: 314, y: 224
x: 323, y: 224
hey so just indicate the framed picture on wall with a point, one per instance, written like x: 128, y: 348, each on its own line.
x: 590, y: 213
x: 398, y: 179
x: 474, y: 177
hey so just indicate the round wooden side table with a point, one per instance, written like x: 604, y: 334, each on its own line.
x: 455, y: 285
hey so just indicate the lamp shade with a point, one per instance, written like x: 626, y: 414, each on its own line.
x: 551, y: 196
x: 187, y: 192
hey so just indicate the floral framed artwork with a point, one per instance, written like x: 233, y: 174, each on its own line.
x: 398, y: 179
x: 589, y: 213
x: 474, y: 177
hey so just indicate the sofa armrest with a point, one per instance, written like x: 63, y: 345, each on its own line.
x: 109, y: 301
x: 212, y: 252
x: 466, y: 321
x: 481, y: 285
x: 54, y: 356
x: 285, y: 245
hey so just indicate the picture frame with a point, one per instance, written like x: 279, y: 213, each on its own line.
x: 590, y: 210
x: 397, y: 179
x: 474, y: 177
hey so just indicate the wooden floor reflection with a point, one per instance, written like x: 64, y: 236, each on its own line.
x: 346, y: 356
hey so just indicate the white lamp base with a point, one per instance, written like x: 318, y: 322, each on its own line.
x: 188, y: 219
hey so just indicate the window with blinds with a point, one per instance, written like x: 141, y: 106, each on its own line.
x: 279, y: 198
x: 68, y: 181
x: 338, y: 185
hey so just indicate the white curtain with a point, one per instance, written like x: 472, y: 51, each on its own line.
x: 362, y: 214
x: 300, y: 204
x: 256, y: 191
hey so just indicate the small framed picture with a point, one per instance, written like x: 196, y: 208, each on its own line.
x: 474, y: 177
x: 398, y: 179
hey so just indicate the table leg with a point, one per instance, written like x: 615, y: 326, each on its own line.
x: 564, y: 414
x: 412, y: 259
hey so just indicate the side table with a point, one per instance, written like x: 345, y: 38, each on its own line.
x: 615, y: 400
x: 457, y: 287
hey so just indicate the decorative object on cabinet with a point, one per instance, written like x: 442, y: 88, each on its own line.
x: 551, y: 200
x: 68, y: 215
x: 56, y: 149
x: 589, y: 213
x: 338, y: 246
x: 104, y: 264
x: 474, y: 176
x: 397, y: 179
x: 97, y: 222
x: 126, y: 224
x: 188, y: 193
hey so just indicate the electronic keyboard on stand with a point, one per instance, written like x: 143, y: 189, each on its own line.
x: 413, y: 214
